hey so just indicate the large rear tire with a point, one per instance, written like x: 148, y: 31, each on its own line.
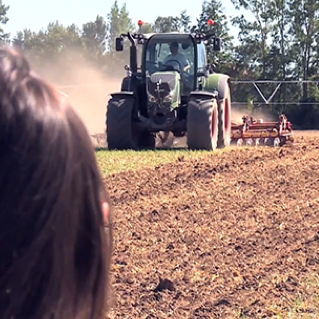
x: 119, y: 130
x: 202, y: 123
x: 224, y: 117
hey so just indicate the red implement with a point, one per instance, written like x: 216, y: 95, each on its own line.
x: 252, y: 131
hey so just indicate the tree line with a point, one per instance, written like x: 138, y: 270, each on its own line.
x: 280, y: 43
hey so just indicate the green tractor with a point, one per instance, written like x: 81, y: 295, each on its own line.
x: 174, y: 90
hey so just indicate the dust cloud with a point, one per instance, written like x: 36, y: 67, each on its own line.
x: 86, y: 86
x: 238, y: 113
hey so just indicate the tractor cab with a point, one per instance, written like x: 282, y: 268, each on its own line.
x: 170, y: 61
x: 173, y: 65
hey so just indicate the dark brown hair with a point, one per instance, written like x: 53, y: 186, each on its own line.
x: 54, y: 251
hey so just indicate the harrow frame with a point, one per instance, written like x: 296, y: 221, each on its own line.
x: 251, y: 131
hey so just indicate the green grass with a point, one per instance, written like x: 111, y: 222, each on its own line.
x: 113, y: 162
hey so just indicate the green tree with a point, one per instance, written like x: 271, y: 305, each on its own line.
x: 118, y: 22
x: 280, y: 19
x: 259, y: 29
x: 146, y: 28
x: 213, y: 9
x: 304, y: 33
x: 279, y: 51
x: 185, y: 21
x: 94, y: 36
x: 3, y: 20
x: 33, y: 43
x: 166, y: 24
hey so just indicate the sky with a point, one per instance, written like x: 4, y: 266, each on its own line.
x: 36, y: 14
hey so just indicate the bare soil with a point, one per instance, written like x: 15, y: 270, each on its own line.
x: 218, y: 237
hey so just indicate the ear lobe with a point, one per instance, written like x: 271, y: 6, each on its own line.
x: 106, y: 212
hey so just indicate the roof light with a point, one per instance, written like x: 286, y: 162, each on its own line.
x: 140, y: 22
x: 211, y: 22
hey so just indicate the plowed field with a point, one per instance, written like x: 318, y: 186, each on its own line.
x: 228, y: 236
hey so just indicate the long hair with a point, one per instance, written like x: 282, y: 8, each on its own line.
x: 54, y: 251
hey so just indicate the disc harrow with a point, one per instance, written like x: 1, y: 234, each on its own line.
x: 252, y: 132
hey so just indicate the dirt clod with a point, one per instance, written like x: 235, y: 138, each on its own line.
x: 165, y: 284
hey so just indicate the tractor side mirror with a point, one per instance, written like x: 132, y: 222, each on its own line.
x: 119, y: 46
x: 217, y: 44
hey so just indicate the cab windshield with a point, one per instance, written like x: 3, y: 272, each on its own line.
x: 172, y: 54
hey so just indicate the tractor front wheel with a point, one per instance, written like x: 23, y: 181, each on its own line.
x: 202, y: 123
x: 119, y: 130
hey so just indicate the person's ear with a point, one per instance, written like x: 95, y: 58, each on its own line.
x: 106, y: 212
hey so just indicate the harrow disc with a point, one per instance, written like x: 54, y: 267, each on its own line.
x: 257, y: 141
x: 277, y: 142
x: 240, y: 142
x: 249, y: 142
x: 268, y: 141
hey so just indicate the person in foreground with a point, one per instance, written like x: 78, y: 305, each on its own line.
x: 55, y: 233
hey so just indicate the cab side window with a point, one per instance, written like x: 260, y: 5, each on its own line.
x: 202, y: 61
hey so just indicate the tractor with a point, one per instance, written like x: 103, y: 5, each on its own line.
x: 161, y: 95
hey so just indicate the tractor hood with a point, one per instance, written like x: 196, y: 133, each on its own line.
x: 164, y: 89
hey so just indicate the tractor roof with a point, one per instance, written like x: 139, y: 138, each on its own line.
x: 165, y: 34
x: 168, y: 35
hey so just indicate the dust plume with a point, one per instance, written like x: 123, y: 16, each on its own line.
x: 237, y: 114
x: 86, y: 85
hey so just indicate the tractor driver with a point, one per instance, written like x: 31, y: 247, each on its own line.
x: 176, y: 56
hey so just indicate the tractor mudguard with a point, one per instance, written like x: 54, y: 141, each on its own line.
x: 203, y: 94
x: 124, y: 94
x: 218, y: 82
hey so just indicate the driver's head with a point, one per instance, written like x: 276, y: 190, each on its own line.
x: 174, y: 47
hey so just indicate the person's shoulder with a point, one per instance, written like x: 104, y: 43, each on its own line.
x: 182, y: 57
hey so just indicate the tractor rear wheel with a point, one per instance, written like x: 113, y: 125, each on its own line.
x: 202, y: 123
x: 224, y: 118
x: 119, y: 129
